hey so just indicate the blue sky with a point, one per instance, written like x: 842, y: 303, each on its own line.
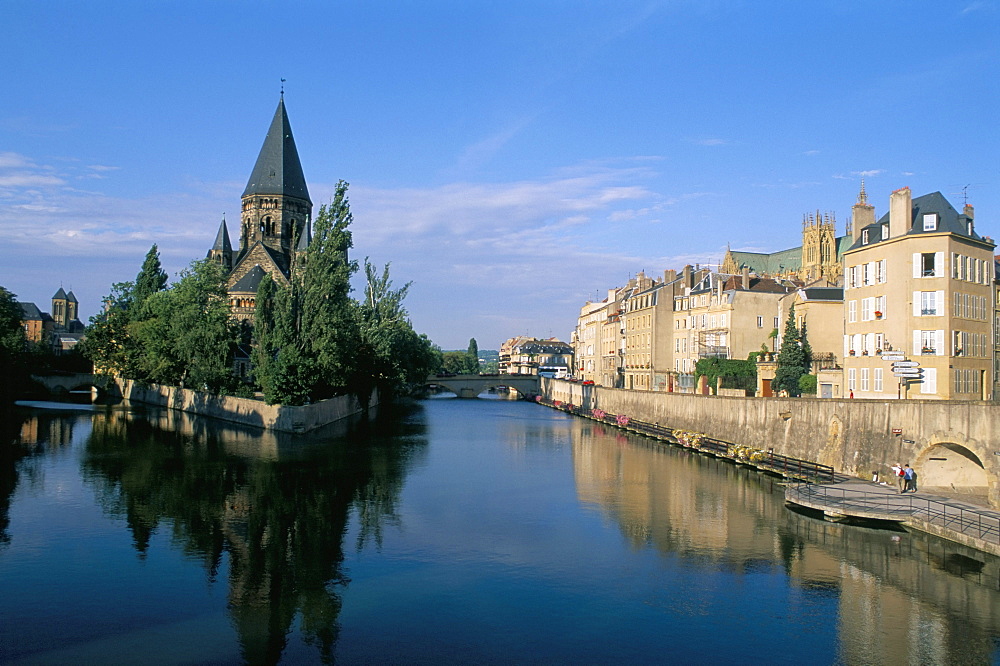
x: 512, y: 160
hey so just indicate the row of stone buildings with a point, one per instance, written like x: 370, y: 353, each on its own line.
x: 901, y: 306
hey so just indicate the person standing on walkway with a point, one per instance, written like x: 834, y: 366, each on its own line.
x: 909, y: 479
x: 897, y: 472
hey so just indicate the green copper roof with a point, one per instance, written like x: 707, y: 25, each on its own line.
x: 278, y: 170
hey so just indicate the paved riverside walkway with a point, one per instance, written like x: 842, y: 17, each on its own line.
x: 948, y: 517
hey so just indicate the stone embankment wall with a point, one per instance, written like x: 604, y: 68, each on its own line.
x: 245, y: 411
x: 853, y: 436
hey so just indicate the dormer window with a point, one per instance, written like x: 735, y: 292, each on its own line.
x: 930, y: 221
x: 885, y: 231
x: 864, y: 237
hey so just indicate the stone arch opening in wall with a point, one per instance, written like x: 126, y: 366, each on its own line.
x: 951, y: 467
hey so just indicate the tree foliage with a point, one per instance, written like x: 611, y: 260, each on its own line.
x: 12, y: 344
x: 310, y: 340
x: 793, y: 358
x: 713, y: 368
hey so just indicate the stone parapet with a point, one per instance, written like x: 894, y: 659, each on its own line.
x: 245, y: 411
x: 853, y: 436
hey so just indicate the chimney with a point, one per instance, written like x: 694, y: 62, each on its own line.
x: 669, y: 275
x: 746, y: 277
x: 687, y: 273
x: 900, y: 212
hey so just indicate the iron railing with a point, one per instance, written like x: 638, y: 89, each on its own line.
x: 980, y: 524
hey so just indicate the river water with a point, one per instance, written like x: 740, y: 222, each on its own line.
x: 453, y: 531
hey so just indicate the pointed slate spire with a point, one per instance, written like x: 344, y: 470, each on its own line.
x: 305, y: 238
x: 222, y: 243
x: 278, y: 170
x: 61, y: 295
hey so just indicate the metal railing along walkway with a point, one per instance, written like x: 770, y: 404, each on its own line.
x: 886, y: 504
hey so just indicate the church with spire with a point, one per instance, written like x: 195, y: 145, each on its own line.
x: 275, y: 220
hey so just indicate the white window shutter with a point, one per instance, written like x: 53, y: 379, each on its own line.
x: 939, y: 264
x: 939, y: 302
x: 916, y: 264
x: 939, y: 339
x: 916, y: 304
x: 916, y: 343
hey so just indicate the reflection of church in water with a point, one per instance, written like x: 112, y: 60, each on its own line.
x: 274, y: 223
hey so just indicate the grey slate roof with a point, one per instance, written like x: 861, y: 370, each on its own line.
x: 250, y: 281
x: 59, y: 294
x: 278, y: 170
x: 823, y: 293
x: 949, y: 220
x: 222, y: 238
x: 305, y: 238
x: 71, y: 298
x: 30, y: 312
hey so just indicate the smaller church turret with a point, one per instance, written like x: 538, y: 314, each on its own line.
x: 222, y: 250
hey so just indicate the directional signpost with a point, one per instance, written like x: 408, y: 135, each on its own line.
x: 906, y: 369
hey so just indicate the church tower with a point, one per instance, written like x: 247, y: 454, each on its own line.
x: 819, y: 249
x: 222, y: 251
x: 276, y: 202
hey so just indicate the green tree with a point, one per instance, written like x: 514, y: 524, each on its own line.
x: 187, y: 335
x: 455, y: 362
x: 151, y: 278
x: 12, y: 345
x: 792, y: 361
x: 328, y: 329
x: 108, y: 344
x: 473, y: 353
x: 391, y: 356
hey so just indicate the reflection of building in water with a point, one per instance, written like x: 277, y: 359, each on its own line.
x: 54, y: 431
x: 901, y: 597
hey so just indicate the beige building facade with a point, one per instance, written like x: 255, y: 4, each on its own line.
x: 919, y: 292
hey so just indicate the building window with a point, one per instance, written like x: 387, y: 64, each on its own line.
x: 885, y: 231
x: 760, y: 322
x: 930, y: 221
x: 864, y: 237
x: 928, y: 342
x: 864, y: 379
x: 878, y: 380
x: 927, y: 264
x: 852, y: 378
x: 928, y: 383
x: 852, y: 311
x: 928, y: 303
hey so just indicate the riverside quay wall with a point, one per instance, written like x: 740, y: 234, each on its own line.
x: 245, y: 411
x: 953, y: 446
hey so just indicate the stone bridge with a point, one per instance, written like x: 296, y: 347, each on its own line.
x: 63, y: 383
x: 470, y: 386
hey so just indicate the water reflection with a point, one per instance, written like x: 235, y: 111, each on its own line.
x: 274, y: 508
x: 901, y: 597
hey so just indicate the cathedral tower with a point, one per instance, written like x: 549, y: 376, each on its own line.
x: 276, y: 204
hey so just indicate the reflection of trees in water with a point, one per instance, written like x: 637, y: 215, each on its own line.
x: 280, y: 520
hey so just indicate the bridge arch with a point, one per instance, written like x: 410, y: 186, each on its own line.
x: 471, y: 386
x: 956, y: 467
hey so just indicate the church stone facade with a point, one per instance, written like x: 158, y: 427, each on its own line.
x: 275, y: 220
